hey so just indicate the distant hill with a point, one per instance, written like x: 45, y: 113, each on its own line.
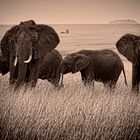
x: 124, y: 21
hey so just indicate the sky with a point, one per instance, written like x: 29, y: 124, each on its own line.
x: 68, y: 11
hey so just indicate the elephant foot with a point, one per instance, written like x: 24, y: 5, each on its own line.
x: 135, y: 90
x: 89, y: 84
x: 17, y: 86
x: 58, y: 87
x: 33, y: 84
x: 12, y: 81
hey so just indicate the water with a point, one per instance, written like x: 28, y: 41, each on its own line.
x: 93, y: 36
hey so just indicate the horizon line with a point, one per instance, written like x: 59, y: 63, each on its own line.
x: 74, y: 23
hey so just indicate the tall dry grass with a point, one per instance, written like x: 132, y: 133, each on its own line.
x: 72, y: 113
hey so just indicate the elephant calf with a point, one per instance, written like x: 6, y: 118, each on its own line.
x: 48, y: 68
x: 99, y: 65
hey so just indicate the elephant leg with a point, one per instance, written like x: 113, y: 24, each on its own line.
x: 112, y: 84
x: 26, y: 80
x: 135, y: 78
x: 55, y: 81
x: 12, y: 79
x: 86, y: 78
x: 34, y: 72
x: 12, y: 69
x: 15, y: 75
x: 54, y: 76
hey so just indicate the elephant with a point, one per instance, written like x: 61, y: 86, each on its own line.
x: 25, y: 45
x: 48, y: 68
x: 100, y: 65
x: 4, y: 66
x: 129, y: 46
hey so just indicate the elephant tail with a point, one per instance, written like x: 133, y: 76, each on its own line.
x: 125, y: 77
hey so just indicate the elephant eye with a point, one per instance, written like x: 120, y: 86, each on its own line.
x: 33, y: 38
x: 124, y: 45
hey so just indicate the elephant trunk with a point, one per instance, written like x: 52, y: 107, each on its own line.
x: 22, y: 64
x: 60, y: 71
x: 61, y: 80
x: 22, y: 68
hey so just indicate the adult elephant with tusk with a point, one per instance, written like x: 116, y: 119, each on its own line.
x: 129, y: 46
x: 100, y: 65
x: 26, y: 45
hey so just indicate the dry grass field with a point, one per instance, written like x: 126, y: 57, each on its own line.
x: 72, y: 113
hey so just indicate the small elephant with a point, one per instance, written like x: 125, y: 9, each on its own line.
x: 26, y: 45
x: 100, y: 65
x: 129, y: 46
x: 48, y: 69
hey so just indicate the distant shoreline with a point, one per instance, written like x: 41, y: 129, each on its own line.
x: 124, y: 21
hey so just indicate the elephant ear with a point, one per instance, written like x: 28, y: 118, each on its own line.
x: 48, y: 39
x: 81, y: 62
x: 7, y: 43
x: 127, y: 45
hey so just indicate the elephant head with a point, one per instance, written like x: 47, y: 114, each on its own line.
x: 73, y: 63
x: 24, y: 41
x: 129, y: 46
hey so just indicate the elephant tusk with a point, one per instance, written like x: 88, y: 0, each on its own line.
x: 15, y: 62
x: 30, y: 58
